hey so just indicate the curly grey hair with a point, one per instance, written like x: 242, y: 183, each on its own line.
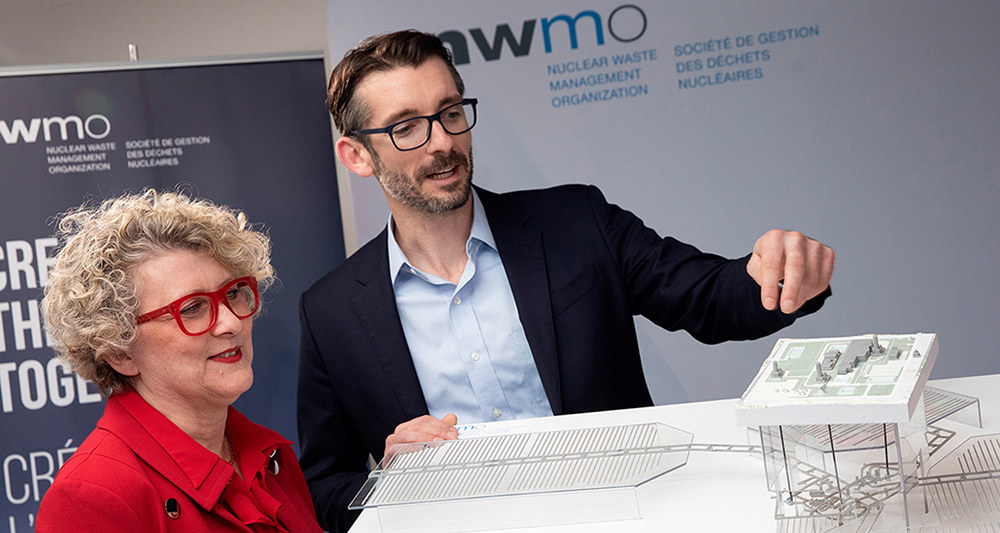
x: 90, y: 302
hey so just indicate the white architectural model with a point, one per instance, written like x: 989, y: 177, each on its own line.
x: 844, y: 431
x: 845, y: 427
x: 845, y: 380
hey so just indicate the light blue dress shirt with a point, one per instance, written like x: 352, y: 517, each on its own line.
x: 469, y: 349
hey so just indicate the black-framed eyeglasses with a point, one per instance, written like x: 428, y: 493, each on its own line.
x: 413, y: 133
x: 198, y: 312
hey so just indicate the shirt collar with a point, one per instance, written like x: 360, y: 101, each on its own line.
x: 176, y: 456
x: 480, y: 232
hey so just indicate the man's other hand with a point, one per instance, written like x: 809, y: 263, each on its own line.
x: 803, y: 267
x: 423, y: 429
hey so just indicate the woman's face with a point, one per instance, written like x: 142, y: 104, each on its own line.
x: 172, y: 370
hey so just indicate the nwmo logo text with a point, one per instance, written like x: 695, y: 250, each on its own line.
x: 625, y: 23
x: 94, y: 127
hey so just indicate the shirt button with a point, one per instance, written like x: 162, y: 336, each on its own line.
x: 475, y: 356
x: 413, y: 271
x: 457, y: 300
x: 496, y: 413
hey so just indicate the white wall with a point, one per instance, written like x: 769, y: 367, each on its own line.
x: 45, y: 32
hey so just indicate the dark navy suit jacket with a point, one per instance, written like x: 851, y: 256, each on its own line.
x: 579, y: 268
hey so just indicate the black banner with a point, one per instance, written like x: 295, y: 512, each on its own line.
x: 252, y: 134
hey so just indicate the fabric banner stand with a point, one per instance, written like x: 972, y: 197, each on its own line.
x: 252, y: 133
x: 873, y: 127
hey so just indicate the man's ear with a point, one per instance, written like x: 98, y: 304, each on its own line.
x: 355, y: 156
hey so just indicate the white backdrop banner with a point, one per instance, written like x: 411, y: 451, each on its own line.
x: 872, y: 126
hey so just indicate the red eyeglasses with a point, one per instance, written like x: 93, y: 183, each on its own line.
x: 197, y: 312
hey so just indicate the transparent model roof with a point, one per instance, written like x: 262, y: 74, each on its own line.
x: 529, y: 463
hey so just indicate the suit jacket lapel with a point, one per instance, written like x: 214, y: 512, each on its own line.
x: 375, y: 306
x: 523, y: 255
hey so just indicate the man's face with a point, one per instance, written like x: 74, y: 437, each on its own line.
x: 437, y: 177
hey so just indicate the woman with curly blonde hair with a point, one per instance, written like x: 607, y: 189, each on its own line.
x: 152, y: 298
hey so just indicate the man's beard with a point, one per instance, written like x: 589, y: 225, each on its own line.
x: 406, y: 189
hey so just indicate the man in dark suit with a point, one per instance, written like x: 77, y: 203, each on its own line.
x: 473, y: 306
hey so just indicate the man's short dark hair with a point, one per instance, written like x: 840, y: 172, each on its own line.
x: 381, y: 53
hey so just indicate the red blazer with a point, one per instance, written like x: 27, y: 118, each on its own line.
x: 136, y: 465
